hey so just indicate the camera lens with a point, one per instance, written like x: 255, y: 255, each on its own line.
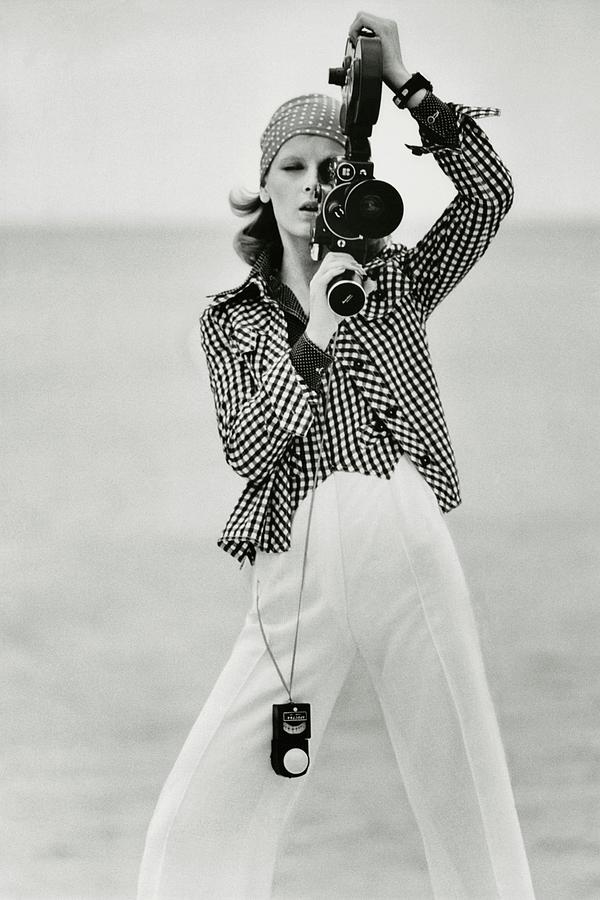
x: 371, y: 206
x: 374, y: 208
x: 345, y: 294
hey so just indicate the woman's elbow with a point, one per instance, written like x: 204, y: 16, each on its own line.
x: 502, y: 194
x: 507, y: 193
x: 493, y: 202
x: 248, y: 462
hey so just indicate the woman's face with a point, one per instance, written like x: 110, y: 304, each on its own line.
x: 301, y: 164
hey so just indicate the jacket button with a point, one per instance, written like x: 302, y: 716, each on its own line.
x: 391, y: 409
x: 425, y: 459
x: 358, y: 364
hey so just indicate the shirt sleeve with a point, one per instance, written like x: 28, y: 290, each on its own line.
x: 437, y: 123
x: 462, y: 234
x: 256, y: 419
x: 310, y: 361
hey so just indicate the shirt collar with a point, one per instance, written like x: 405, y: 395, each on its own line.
x: 258, y: 277
x: 280, y: 291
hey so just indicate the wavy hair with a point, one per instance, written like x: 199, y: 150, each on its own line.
x: 261, y: 231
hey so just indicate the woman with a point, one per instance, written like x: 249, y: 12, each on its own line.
x: 338, y: 428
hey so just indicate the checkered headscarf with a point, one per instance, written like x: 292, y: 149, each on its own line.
x: 307, y: 114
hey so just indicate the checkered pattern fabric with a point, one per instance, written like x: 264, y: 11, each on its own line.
x: 309, y: 360
x: 384, y: 399
x: 307, y: 114
x: 437, y: 133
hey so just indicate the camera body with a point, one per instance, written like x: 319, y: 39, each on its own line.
x: 291, y: 732
x: 359, y: 207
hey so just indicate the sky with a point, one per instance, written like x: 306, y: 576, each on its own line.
x: 133, y: 112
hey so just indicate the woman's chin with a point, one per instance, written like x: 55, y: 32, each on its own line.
x: 301, y: 230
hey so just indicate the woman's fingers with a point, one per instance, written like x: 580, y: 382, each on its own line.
x: 325, y: 277
x: 341, y: 259
x: 387, y: 31
x: 338, y: 270
x: 367, y: 20
x: 360, y: 21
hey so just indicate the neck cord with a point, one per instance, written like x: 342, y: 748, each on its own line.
x: 306, y: 537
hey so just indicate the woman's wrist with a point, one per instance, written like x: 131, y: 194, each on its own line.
x: 398, y: 80
x: 397, y: 77
x: 320, y: 336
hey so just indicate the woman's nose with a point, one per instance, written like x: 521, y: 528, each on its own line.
x: 312, y: 180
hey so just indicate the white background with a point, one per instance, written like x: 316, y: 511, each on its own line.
x: 133, y: 112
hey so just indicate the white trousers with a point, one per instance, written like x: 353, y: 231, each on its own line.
x: 383, y: 580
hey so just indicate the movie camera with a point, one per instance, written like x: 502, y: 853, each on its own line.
x: 359, y: 207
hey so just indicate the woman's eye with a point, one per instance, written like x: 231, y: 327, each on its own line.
x: 291, y: 167
x: 326, y: 171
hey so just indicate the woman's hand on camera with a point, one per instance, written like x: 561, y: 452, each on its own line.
x: 395, y: 73
x: 322, y: 321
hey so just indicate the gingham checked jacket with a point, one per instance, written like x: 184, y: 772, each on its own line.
x: 384, y: 399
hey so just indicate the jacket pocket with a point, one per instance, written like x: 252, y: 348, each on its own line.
x: 244, y: 339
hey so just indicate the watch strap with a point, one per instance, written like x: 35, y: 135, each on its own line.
x: 415, y: 83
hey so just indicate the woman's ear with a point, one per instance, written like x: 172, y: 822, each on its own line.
x: 263, y: 194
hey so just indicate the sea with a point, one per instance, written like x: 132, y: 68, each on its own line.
x: 118, y: 610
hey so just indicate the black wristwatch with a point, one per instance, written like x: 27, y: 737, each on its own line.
x: 415, y: 83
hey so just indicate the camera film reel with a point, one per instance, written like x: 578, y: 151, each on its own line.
x: 289, y: 746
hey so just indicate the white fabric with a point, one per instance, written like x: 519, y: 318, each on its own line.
x: 383, y: 580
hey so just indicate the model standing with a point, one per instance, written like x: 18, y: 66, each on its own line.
x: 304, y: 398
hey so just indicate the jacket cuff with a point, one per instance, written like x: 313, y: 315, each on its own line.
x: 309, y: 361
x: 455, y: 112
x: 437, y: 123
x: 288, y: 397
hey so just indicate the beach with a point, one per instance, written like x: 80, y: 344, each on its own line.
x: 119, y: 610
